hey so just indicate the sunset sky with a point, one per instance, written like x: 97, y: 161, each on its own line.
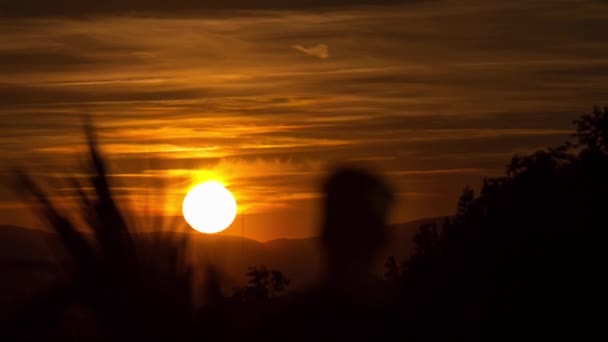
x: 266, y: 95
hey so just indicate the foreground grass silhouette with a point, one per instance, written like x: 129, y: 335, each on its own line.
x: 126, y: 288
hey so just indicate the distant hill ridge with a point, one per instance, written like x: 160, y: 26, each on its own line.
x: 32, y: 257
x: 26, y: 244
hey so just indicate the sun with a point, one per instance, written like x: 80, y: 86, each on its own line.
x: 209, y: 207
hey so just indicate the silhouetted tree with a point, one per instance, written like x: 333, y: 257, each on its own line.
x: 392, y: 272
x: 592, y: 130
x: 263, y: 284
x: 522, y: 258
x: 278, y: 282
x: 465, y: 204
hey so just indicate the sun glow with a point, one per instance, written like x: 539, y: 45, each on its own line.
x: 209, y: 207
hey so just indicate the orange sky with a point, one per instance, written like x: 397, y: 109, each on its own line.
x: 436, y: 94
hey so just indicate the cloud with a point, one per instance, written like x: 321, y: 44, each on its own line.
x: 79, y: 8
x: 319, y: 50
x: 433, y: 95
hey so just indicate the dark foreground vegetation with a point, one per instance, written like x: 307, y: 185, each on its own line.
x: 520, y: 259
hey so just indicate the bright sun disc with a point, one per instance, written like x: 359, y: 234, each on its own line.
x: 209, y: 207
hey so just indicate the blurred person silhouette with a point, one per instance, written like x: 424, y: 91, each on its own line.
x: 350, y: 300
x: 353, y: 231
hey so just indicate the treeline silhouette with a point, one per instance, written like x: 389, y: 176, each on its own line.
x: 524, y: 258
x: 521, y: 259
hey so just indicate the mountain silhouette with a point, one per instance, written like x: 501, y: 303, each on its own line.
x: 33, y: 259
